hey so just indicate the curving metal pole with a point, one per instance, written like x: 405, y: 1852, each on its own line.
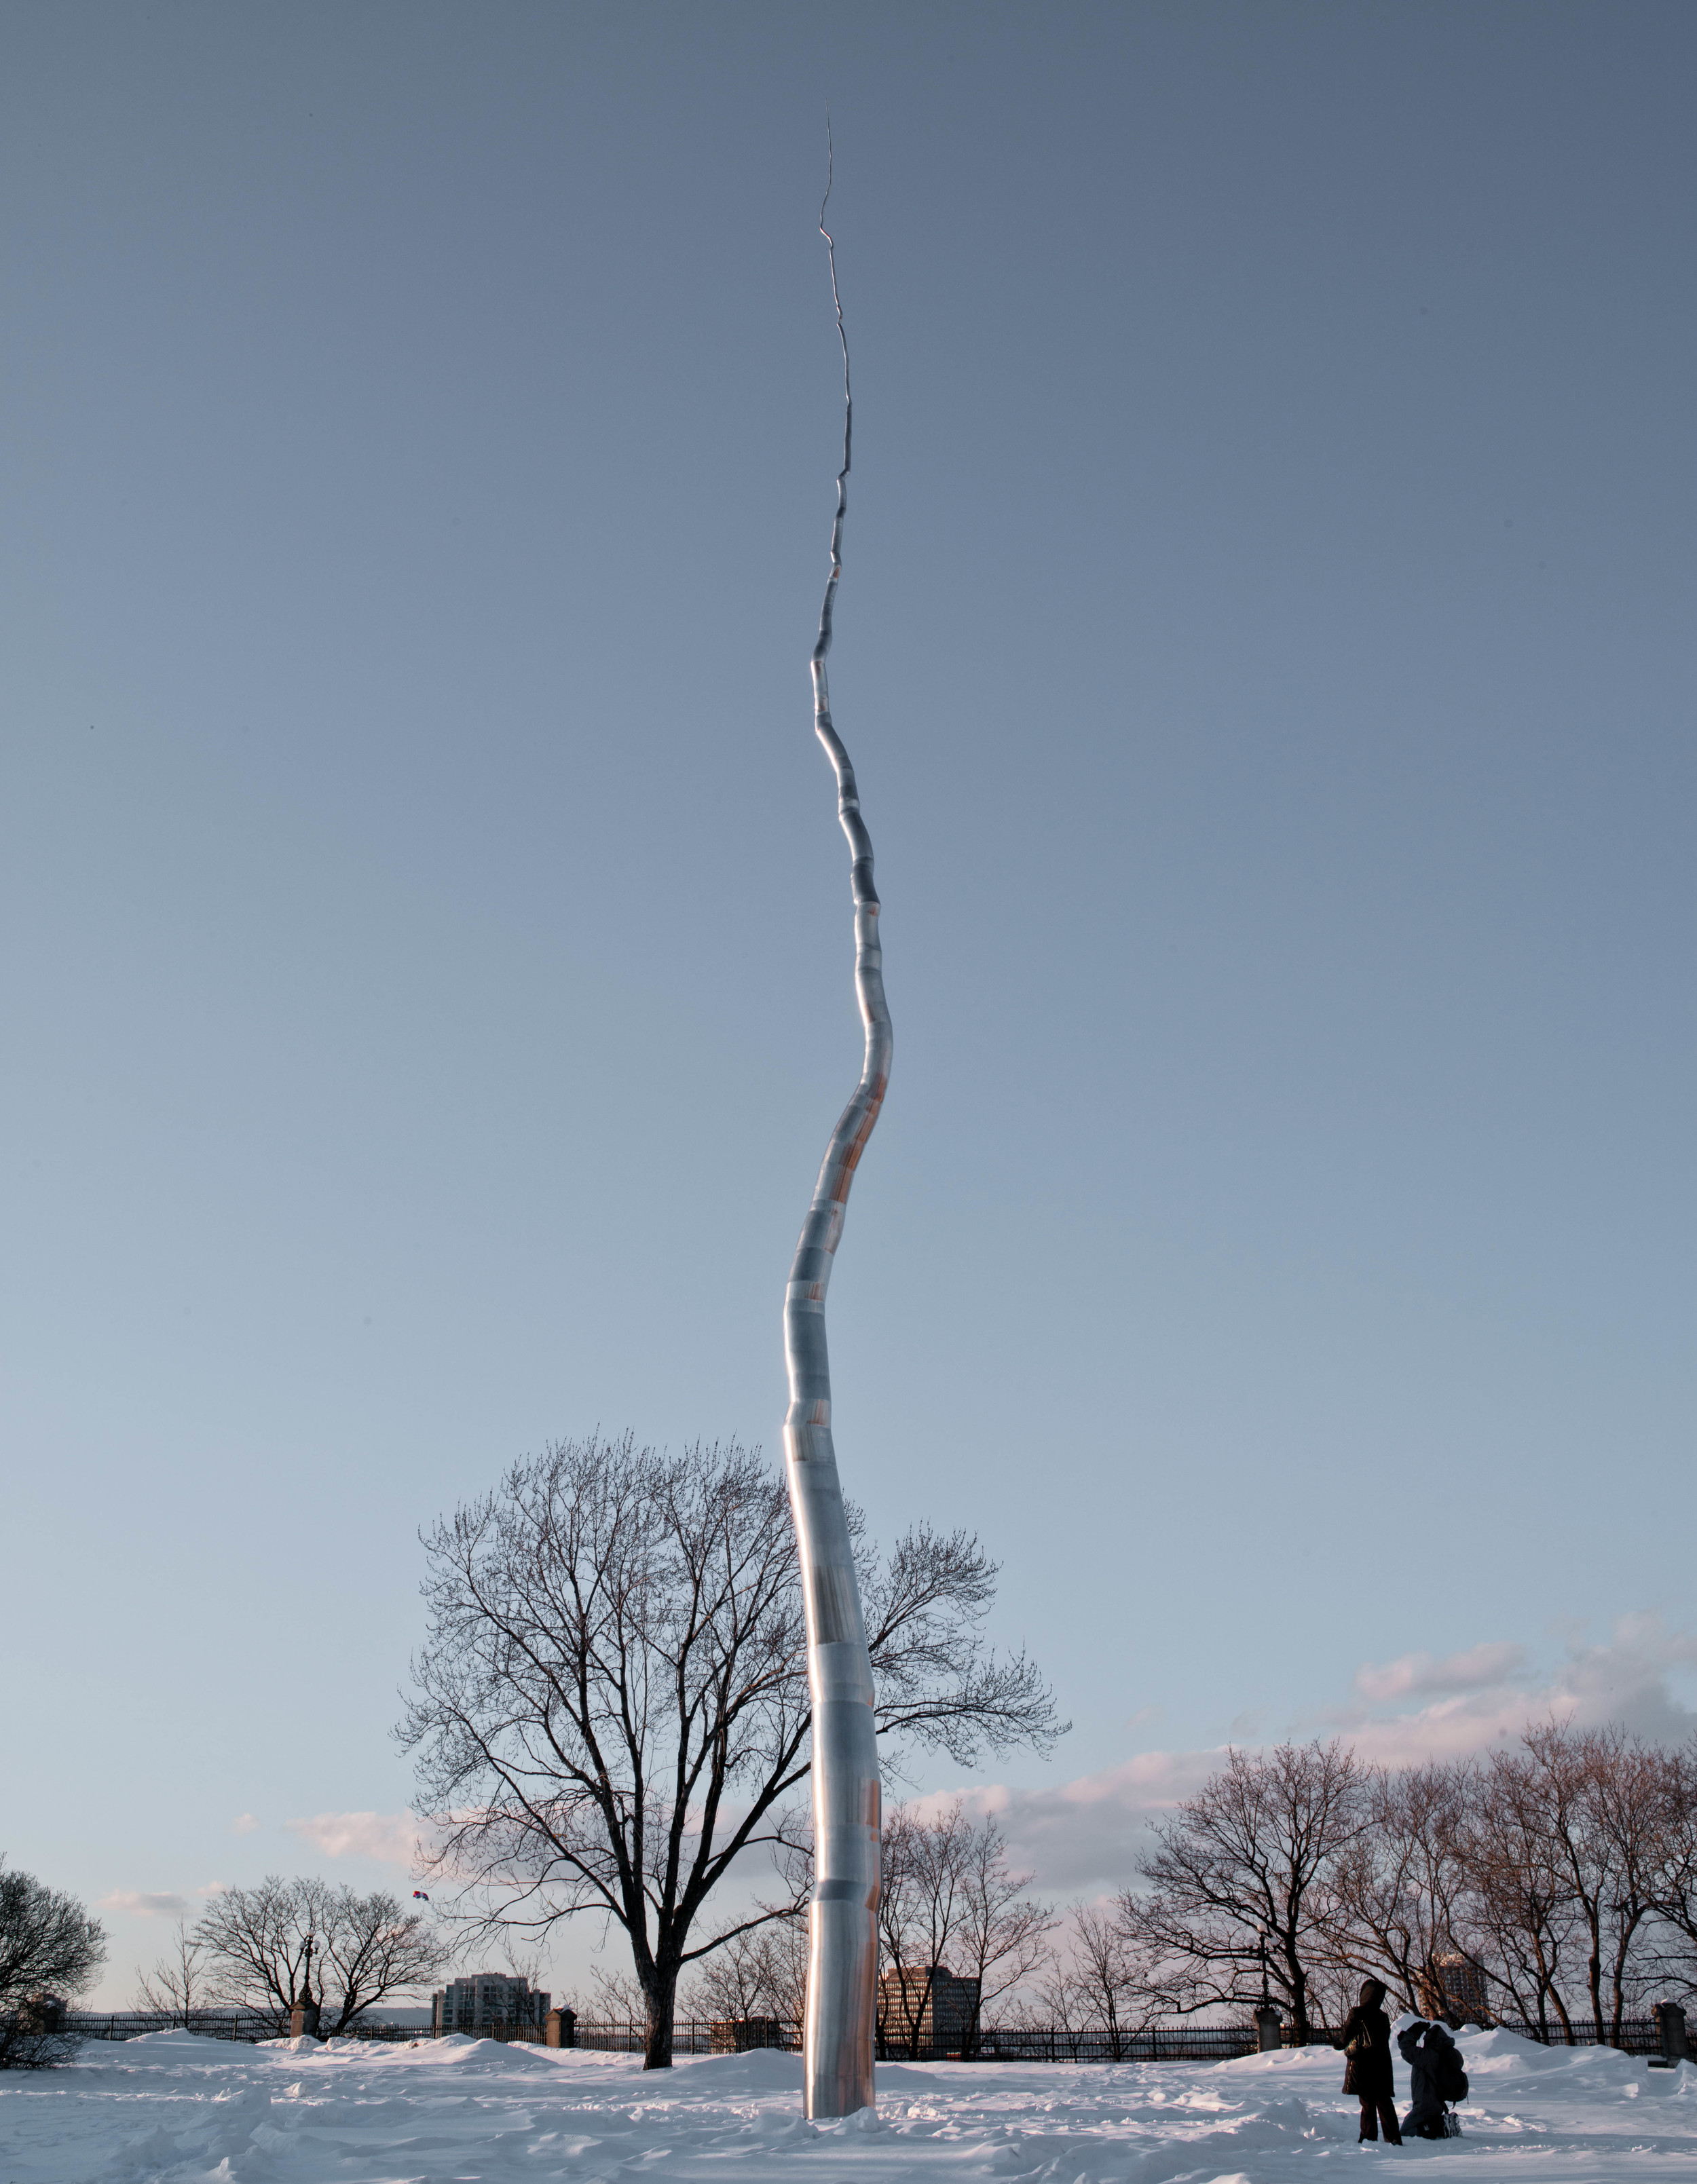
x: 843, y: 1959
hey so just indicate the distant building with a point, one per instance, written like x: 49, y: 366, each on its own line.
x: 1455, y: 1990
x: 487, y: 2003
x: 736, y: 2036
x: 925, y: 2010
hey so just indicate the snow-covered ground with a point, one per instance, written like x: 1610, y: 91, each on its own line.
x: 182, y: 2110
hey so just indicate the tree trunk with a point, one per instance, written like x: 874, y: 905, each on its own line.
x: 1299, y: 1997
x: 1593, y: 1972
x: 911, y: 2019
x: 1622, y: 1958
x: 660, y: 1993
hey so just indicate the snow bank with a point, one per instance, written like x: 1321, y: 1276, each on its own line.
x: 172, y: 2108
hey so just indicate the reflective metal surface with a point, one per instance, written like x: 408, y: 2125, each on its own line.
x: 843, y: 1965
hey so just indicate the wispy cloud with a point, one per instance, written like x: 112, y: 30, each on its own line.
x: 144, y: 1902
x: 244, y: 1823
x: 1487, y: 1695
x: 1086, y: 1833
x: 1479, y: 1667
x: 390, y: 1838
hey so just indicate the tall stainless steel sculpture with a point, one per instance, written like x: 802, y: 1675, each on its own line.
x: 843, y: 1959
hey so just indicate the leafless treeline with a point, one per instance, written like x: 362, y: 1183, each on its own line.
x: 948, y: 1898
x: 1552, y: 1884
x: 611, y: 1714
x: 265, y: 1949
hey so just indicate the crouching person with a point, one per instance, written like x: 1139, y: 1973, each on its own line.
x: 1367, y: 2074
x: 1436, y: 2077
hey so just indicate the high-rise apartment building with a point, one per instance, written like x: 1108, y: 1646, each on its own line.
x: 923, y: 2009
x: 485, y: 2002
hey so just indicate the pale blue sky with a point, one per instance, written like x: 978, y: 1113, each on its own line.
x: 1266, y: 650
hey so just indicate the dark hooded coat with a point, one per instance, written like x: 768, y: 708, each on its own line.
x: 1367, y: 2034
x: 1422, y: 2046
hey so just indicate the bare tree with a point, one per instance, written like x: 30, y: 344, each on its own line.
x: 754, y: 1974
x: 1569, y: 1846
x: 1597, y: 1795
x: 1571, y: 1862
x: 1003, y: 1933
x: 1095, y: 1981
x: 1239, y: 1889
x: 612, y: 1704
x: 785, y: 1942
x: 1520, y: 1906
x: 783, y: 1945
x: 259, y: 1944
x: 949, y: 1902
x: 178, y: 1986
x: 1398, y: 1888
x: 917, y: 1906
x: 762, y: 1971
x: 374, y: 1947
x: 1626, y: 1795
x: 732, y: 1982
x: 618, y: 1998
x: 1054, y: 2003
x: 265, y: 1946
x: 50, y: 1950
x: 1672, y: 1948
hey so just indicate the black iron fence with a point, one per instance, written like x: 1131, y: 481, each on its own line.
x: 1054, y: 2043
x: 1189, y: 2043
x: 1639, y: 2035
x: 245, y: 2024
x: 1024, y: 2043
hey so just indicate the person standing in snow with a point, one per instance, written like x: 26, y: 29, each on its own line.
x: 1433, y: 2060
x: 1367, y: 2074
